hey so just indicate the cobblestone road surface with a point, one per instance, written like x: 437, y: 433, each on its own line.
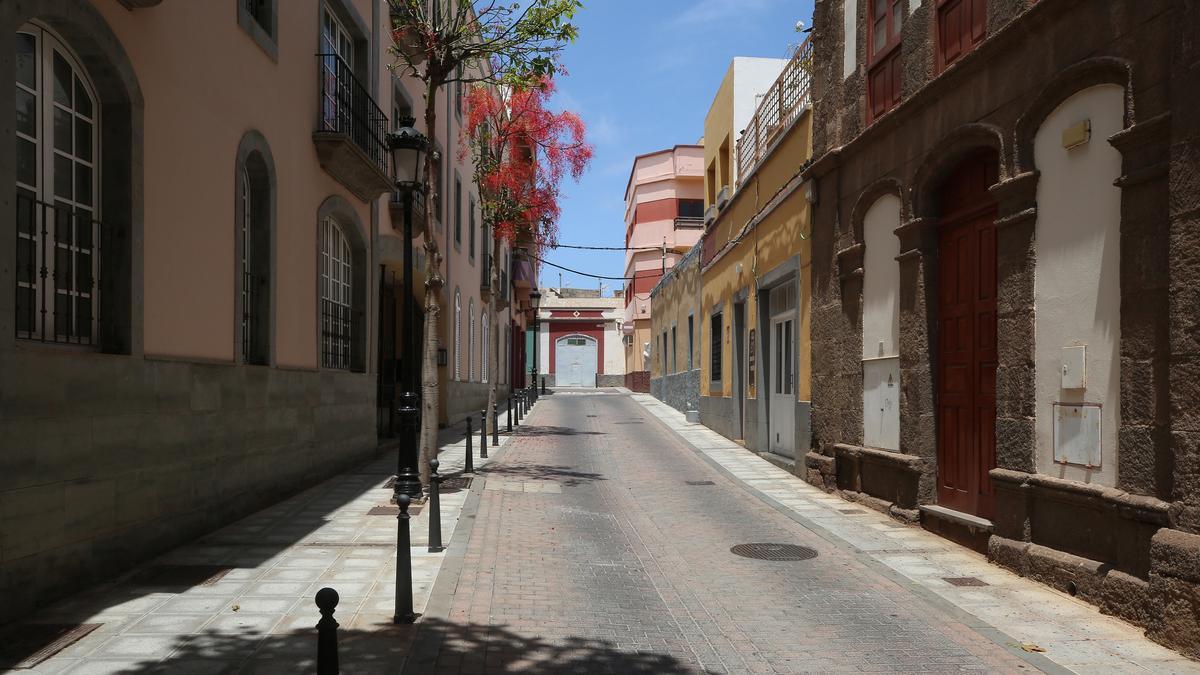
x: 601, y: 543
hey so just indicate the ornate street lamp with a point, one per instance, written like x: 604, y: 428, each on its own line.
x: 535, y: 298
x: 408, y: 147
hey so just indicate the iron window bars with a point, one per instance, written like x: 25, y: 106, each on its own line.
x: 341, y: 341
x: 57, y: 273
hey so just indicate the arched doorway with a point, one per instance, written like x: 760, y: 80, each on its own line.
x: 966, y: 378
x: 575, y: 361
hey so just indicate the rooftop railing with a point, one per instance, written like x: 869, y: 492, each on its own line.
x: 779, y: 107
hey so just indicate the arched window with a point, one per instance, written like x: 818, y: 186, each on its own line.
x: 457, y: 335
x: 254, y: 224
x: 58, y: 186
x: 471, y: 341
x: 483, y: 347
x: 339, y: 321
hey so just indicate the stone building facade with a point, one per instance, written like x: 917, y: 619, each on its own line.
x: 1006, y: 223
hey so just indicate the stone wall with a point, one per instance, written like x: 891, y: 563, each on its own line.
x: 681, y: 391
x: 111, y: 459
x: 469, y: 398
x: 1110, y: 545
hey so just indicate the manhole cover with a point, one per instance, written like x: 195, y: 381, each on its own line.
x: 392, y: 510
x: 774, y: 551
x: 964, y: 581
x: 699, y: 482
x: 593, y: 415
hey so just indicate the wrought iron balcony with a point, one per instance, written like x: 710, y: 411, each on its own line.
x: 350, y: 131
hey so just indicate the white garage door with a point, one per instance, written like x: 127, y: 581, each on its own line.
x: 575, y: 361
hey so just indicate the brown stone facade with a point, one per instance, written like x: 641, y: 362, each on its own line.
x: 1133, y: 548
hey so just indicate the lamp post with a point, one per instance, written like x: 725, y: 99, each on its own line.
x: 408, y: 147
x: 535, y: 298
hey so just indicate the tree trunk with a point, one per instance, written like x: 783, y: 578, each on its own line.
x: 493, y: 347
x: 433, y: 288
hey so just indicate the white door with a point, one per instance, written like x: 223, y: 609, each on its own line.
x: 781, y: 421
x: 575, y: 361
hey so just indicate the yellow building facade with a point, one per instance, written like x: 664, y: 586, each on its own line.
x: 753, y: 314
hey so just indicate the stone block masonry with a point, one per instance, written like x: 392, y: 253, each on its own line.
x: 681, y: 391
x: 111, y: 459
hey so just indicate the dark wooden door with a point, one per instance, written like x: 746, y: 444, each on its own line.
x: 967, y: 340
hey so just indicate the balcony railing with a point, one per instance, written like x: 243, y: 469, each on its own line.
x: 782, y: 104
x: 689, y: 222
x: 57, y: 273
x: 347, y: 108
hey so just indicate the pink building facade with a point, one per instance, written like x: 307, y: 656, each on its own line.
x: 664, y: 217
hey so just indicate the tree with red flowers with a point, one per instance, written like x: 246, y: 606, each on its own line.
x: 522, y: 150
x: 442, y: 42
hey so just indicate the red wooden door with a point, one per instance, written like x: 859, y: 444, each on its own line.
x: 967, y: 339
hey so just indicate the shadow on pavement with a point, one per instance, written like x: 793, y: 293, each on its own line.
x: 526, y: 430
x: 562, y: 474
x: 439, y: 646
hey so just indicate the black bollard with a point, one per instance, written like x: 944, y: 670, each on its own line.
x: 508, y: 417
x: 469, y: 458
x: 516, y: 404
x: 483, y: 434
x: 495, y: 425
x: 404, y: 600
x: 543, y: 385
x: 435, y: 508
x: 327, y: 648
x: 468, y: 435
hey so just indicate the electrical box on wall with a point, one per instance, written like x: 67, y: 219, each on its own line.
x: 1074, y: 373
x: 1077, y: 434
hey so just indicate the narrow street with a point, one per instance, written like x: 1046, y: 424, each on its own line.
x: 601, y: 543
x: 597, y: 538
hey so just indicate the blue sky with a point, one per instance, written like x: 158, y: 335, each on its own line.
x: 681, y: 50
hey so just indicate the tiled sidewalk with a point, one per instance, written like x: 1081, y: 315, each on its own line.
x: 260, y: 615
x: 1073, y: 634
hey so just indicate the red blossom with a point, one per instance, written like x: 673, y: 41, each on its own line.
x: 523, y: 152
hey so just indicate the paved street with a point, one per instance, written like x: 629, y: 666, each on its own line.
x: 601, y: 543
x: 597, y: 539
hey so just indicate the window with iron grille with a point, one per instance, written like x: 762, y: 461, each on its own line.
x: 457, y: 335
x: 339, y: 321
x: 884, y: 64
x: 253, y: 246
x: 483, y: 348
x: 58, y: 231
x: 471, y: 340
x: 674, y: 353
x: 715, y: 345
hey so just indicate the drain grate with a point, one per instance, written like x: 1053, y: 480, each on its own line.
x: 27, y: 645
x: 455, y: 484
x: 593, y: 415
x: 631, y: 422
x: 390, y: 484
x: 849, y: 511
x: 774, y: 551
x: 964, y: 581
x: 179, y: 576
x: 699, y: 482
